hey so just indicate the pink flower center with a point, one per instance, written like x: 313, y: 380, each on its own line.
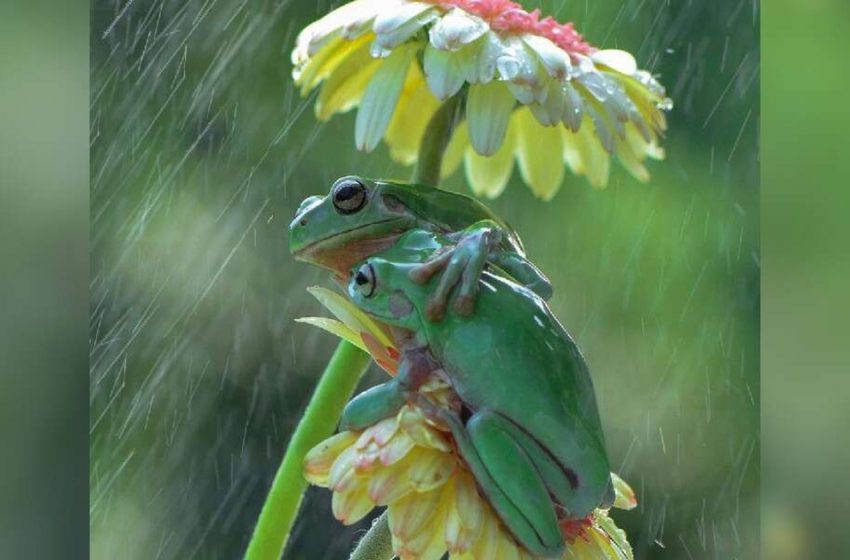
x: 509, y: 17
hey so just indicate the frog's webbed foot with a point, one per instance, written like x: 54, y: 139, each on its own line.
x: 461, y: 264
x: 386, y: 399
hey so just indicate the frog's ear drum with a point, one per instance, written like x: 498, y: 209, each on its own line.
x: 365, y: 280
x: 348, y: 195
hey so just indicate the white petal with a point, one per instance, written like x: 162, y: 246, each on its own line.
x: 554, y: 58
x: 618, y: 60
x: 379, y: 101
x: 317, y: 34
x: 539, y: 151
x: 442, y: 72
x: 573, y: 107
x: 488, y: 176
x: 394, y: 38
x: 488, y: 110
x: 480, y: 64
x: 456, y: 29
x: 523, y: 93
x: 550, y: 110
x: 600, y: 87
x: 391, y: 19
x: 602, y: 128
x: 516, y: 63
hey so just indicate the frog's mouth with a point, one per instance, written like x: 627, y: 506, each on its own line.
x: 338, y: 256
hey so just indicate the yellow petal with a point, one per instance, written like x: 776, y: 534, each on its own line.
x: 632, y: 162
x: 350, y: 507
x: 344, y: 87
x: 349, y: 314
x: 427, y: 543
x: 318, y: 67
x: 411, y: 514
x: 507, y: 548
x: 455, y: 150
x: 585, y: 155
x: 487, y: 545
x: 390, y: 484
x: 335, y: 327
x: 539, y: 152
x: 318, y: 461
x: 412, y: 421
x: 431, y: 470
x: 343, y: 465
x: 415, y: 108
x: 616, y: 536
x: 625, y: 496
x: 396, y: 448
x: 464, y: 516
x: 488, y: 176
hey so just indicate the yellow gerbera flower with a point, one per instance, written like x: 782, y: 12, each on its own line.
x: 535, y: 90
x: 408, y: 464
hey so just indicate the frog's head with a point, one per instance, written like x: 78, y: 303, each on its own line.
x: 358, y: 218
x: 384, y: 290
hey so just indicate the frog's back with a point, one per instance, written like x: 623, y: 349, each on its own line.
x: 452, y: 211
x: 513, y: 352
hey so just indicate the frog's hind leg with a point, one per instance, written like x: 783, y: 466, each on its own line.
x: 509, y: 479
x: 563, y: 483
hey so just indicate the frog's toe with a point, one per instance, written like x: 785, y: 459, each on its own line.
x: 464, y: 305
x: 436, y: 310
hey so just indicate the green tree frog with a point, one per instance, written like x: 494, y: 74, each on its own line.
x: 361, y: 217
x: 527, y: 426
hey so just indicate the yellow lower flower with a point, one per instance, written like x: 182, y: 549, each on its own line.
x: 408, y: 464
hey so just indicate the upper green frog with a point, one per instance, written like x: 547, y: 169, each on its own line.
x: 528, y: 427
x: 361, y: 217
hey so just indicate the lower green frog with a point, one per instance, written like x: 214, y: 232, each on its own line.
x: 528, y: 426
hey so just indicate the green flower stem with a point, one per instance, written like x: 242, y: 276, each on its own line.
x: 335, y: 388
x: 377, y: 544
x: 436, y: 139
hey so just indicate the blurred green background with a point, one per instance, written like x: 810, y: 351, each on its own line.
x: 202, y: 150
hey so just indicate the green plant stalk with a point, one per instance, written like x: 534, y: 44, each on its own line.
x: 436, y: 139
x: 335, y: 388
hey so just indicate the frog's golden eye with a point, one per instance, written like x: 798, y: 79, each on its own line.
x: 365, y: 280
x: 348, y: 195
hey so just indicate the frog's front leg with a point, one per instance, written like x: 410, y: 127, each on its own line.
x: 385, y: 400
x: 507, y: 476
x: 463, y: 263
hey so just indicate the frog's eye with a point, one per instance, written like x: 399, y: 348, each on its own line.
x: 348, y: 195
x: 365, y: 281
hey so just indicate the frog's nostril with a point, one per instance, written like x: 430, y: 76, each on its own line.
x: 302, y: 222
